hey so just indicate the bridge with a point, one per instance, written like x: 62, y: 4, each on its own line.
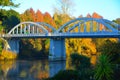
x: 77, y: 28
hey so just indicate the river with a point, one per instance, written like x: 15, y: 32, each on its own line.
x: 30, y: 70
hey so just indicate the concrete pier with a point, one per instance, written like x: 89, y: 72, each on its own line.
x: 57, y: 49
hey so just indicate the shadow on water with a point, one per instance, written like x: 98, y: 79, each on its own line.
x: 29, y: 70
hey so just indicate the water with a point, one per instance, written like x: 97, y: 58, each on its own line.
x: 29, y: 70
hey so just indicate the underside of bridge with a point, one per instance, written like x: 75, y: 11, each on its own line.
x: 56, y: 50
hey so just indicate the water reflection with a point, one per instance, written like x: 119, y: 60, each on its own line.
x: 29, y: 70
x: 55, y: 67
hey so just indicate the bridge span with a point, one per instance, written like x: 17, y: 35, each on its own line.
x: 77, y: 28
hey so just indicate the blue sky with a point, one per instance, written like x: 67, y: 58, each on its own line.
x: 109, y: 9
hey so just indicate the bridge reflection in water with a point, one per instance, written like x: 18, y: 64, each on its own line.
x: 29, y: 70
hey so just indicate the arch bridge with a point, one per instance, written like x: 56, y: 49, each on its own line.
x: 77, y: 28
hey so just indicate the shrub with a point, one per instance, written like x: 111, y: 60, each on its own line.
x: 80, y: 61
x: 103, y: 70
x: 66, y: 75
x: 82, y: 64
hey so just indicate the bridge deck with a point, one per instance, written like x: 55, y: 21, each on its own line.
x: 65, y: 35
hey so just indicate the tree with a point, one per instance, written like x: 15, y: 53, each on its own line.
x: 63, y: 11
x: 64, y: 6
x: 113, y: 50
x: 8, y: 3
x: 12, y: 19
x: 48, y: 19
x: 39, y: 16
x: 28, y: 15
x: 32, y: 14
x: 117, y: 20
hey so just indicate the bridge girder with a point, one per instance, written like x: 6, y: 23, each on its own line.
x: 33, y: 29
x: 79, y: 21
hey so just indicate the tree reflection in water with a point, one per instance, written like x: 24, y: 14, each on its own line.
x: 29, y: 70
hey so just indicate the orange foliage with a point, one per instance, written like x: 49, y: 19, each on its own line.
x: 48, y: 19
x: 93, y: 59
x: 39, y: 16
x: 96, y: 15
x: 42, y: 75
x: 32, y: 14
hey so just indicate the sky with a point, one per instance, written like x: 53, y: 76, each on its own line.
x: 109, y: 9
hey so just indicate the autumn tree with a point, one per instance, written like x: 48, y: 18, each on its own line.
x: 48, y: 19
x: 25, y: 16
x: 32, y: 14
x: 39, y: 16
x: 28, y: 15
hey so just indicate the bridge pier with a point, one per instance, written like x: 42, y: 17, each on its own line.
x: 13, y: 45
x: 57, y: 49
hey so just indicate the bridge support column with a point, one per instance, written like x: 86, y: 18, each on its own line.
x: 13, y: 46
x: 57, y: 49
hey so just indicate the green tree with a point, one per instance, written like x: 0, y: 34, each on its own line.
x: 117, y: 21
x: 103, y: 69
x: 8, y: 3
x: 12, y: 19
x: 3, y: 14
x: 112, y: 51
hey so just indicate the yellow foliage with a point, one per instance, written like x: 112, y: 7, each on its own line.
x: 93, y: 59
x: 7, y: 55
x: 6, y: 65
x: 84, y: 46
x: 113, y: 39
